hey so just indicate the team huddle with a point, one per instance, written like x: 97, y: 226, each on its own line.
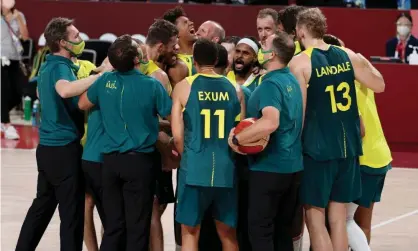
x: 266, y: 135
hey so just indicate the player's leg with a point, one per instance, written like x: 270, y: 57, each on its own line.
x: 363, y: 218
x: 208, y: 238
x: 43, y: 206
x: 346, y: 189
x: 225, y: 213
x: 316, y: 188
x: 337, y: 220
x: 265, y: 192
x: 356, y: 238
x: 192, y: 202
x: 90, y: 239
x: 138, y: 172
x: 92, y: 177
x: 156, y: 233
x: 372, y: 181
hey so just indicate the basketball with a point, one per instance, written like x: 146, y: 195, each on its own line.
x: 254, y: 147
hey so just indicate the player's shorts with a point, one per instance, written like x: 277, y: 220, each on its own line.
x: 333, y: 180
x: 372, y: 182
x: 164, y: 186
x: 193, y: 201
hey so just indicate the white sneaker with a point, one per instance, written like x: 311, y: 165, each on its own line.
x: 11, y: 133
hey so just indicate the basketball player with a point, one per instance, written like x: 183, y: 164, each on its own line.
x: 184, y: 66
x: 245, y: 59
x: 374, y: 164
x: 275, y: 173
x: 244, y: 62
x: 331, y: 138
x: 160, y: 49
x: 92, y: 159
x: 229, y: 43
x: 204, y: 109
x: 288, y: 19
x: 60, y: 132
x: 211, y: 30
x: 130, y: 117
x: 222, y: 61
x: 267, y: 23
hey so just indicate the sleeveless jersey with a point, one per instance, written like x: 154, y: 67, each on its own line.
x: 188, y: 60
x: 376, y: 152
x: 332, y: 123
x: 208, y: 118
x: 153, y: 67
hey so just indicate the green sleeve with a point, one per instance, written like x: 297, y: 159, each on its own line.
x: 162, y: 100
x: 270, y: 95
x: 64, y: 72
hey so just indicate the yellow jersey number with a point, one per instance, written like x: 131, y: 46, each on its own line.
x: 221, y: 122
x: 345, y: 88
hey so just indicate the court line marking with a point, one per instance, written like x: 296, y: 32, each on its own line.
x: 400, y: 217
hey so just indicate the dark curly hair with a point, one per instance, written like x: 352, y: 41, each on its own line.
x: 172, y: 15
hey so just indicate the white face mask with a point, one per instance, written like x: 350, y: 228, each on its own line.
x: 403, y: 30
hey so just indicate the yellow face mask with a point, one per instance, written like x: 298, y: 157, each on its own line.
x: 261, y: 56
x: 77, y: 49
x: 143, y: 67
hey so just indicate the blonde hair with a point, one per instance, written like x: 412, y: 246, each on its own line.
x: 314, y: 21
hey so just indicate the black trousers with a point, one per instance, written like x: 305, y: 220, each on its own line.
x: 128, y: 181
x: 273, y: 200
x: 93, y: 180
x: 60, y: 182
x: 12, y: 80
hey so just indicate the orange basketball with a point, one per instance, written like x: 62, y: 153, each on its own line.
x: 254, y: 147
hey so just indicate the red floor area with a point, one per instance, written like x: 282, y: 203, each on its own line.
x: 29, y: 139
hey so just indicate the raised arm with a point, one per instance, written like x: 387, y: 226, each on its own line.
x: 366, y: 73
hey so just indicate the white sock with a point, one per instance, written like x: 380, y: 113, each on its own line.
x: 297, y: 243
x: 356, y: 238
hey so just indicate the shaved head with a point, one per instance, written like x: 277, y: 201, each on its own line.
x: 211, y: 30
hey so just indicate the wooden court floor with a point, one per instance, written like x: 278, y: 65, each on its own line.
x: 395, y: 220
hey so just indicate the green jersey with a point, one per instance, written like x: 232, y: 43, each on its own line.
x: 332, y: 122
x: 129, y: 105
x: 283, y: 153
x: 209, y: 116
x: 62, y: 121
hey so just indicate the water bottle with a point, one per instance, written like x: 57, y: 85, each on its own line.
x: 413, y: 57
x: 404, y: 4
x: 35, y: 113
x: 27, y: 108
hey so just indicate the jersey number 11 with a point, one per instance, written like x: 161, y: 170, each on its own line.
x: 221, y: 123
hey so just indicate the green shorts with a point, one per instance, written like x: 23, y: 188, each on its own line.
x: 333, y: 180
x: 193, y: 201
x: 372, y: 182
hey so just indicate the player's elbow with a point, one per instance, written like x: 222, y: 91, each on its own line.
x: 379, y: 86
x: 83, y: 104
x: 62, y: 89
x: 271, y: 126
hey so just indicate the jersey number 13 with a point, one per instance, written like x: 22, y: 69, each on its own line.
x: 342, y: 87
